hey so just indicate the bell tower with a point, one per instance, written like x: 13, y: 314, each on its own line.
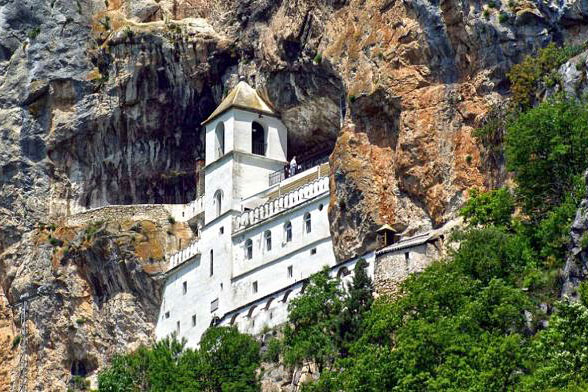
x: 245, y: 142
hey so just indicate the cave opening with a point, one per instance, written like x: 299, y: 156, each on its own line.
x: 79, y: 368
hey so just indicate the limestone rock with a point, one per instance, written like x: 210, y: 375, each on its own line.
x: 576, y: 268
x: 101, y: 103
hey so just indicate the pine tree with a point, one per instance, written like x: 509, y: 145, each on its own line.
x: 358, y: 300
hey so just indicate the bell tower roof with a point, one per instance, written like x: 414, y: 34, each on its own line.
x: 243, y: 96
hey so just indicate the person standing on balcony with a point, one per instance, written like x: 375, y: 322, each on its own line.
x: 293, y: 166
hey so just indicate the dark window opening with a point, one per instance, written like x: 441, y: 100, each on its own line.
x: 257, y: 139
x: 248, y: 249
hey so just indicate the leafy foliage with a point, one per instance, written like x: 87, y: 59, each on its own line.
x: 546, y: 148
x: 226, y: 361
x: 494, y: 207
x: 527, y: 77
x: 471, y: 322
x: 313, y: 322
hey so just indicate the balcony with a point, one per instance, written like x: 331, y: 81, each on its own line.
x: 280, y: 175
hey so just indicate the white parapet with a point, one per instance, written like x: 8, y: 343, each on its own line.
x: 282, y: 203
x: 185, y: 212
x: 184, y: 255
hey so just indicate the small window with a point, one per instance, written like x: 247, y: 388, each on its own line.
x: 214, y: 305
x: 271, y: 315
x: 184, y: 288
x: 313, y: 251
x: 221, y: 230
x: 193, y: 320
x: 290, y: 271
x: 248, y: 249
x: 218, y: 201
x: 221, y: 286
x: 320, y: 207
x: 211, y: 263
x: 307, y: 223
x: 255, y: 287
x: 288, y: 232
x: 407, y: 256
x: 220, y: 140
x: 178, y: 327
x: 166, y: 315
x: 268, y: 240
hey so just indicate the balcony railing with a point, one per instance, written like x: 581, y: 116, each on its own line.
x: 259, y: 148
x: 280, y: 175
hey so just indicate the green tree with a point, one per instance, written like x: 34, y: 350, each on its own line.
x: 313, y: 320
x: 484, y: 208
x: 557, y: 358
x: 229, y: 360
x: 358, y: 300
x: 546, y: 148
x: 226, y: 361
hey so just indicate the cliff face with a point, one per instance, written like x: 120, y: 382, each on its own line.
x: 100, y: 103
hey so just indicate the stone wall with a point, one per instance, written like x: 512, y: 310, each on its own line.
x: 159, y: 213
x: 393, y: 268
x: 153, y: 212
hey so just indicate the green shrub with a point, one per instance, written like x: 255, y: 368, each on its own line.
x: 105, y: 22
x: 171, y: 220
x: 55, y: 242
x: 526, y: 77
x: 486, y: 14
x: 503, y: 17
x: 81, y: 321
x: 34, y: 33
x: 16, y: 341
x: 272, y: 353
x: 318, y: 58
x: 352, y: 98
x: 491, y: 4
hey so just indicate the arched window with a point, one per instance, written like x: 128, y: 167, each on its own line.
x: 219, y: 144
x: 257, y: 139
x: 307, y: 223
x: 248, y: 249
x: 218, y: 201
x: 268, y: 240
x: 288, y: 231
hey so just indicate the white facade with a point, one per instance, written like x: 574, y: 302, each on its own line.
x: 257, y: 245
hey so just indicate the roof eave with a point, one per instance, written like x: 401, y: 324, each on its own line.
x: 241, y: 107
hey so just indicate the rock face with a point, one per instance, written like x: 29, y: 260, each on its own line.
x: 100, y: 103
x: 576, y: 268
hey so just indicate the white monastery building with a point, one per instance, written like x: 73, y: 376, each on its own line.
x: 263, y: 228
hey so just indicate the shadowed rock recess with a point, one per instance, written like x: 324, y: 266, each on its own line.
x: 101, y: 103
